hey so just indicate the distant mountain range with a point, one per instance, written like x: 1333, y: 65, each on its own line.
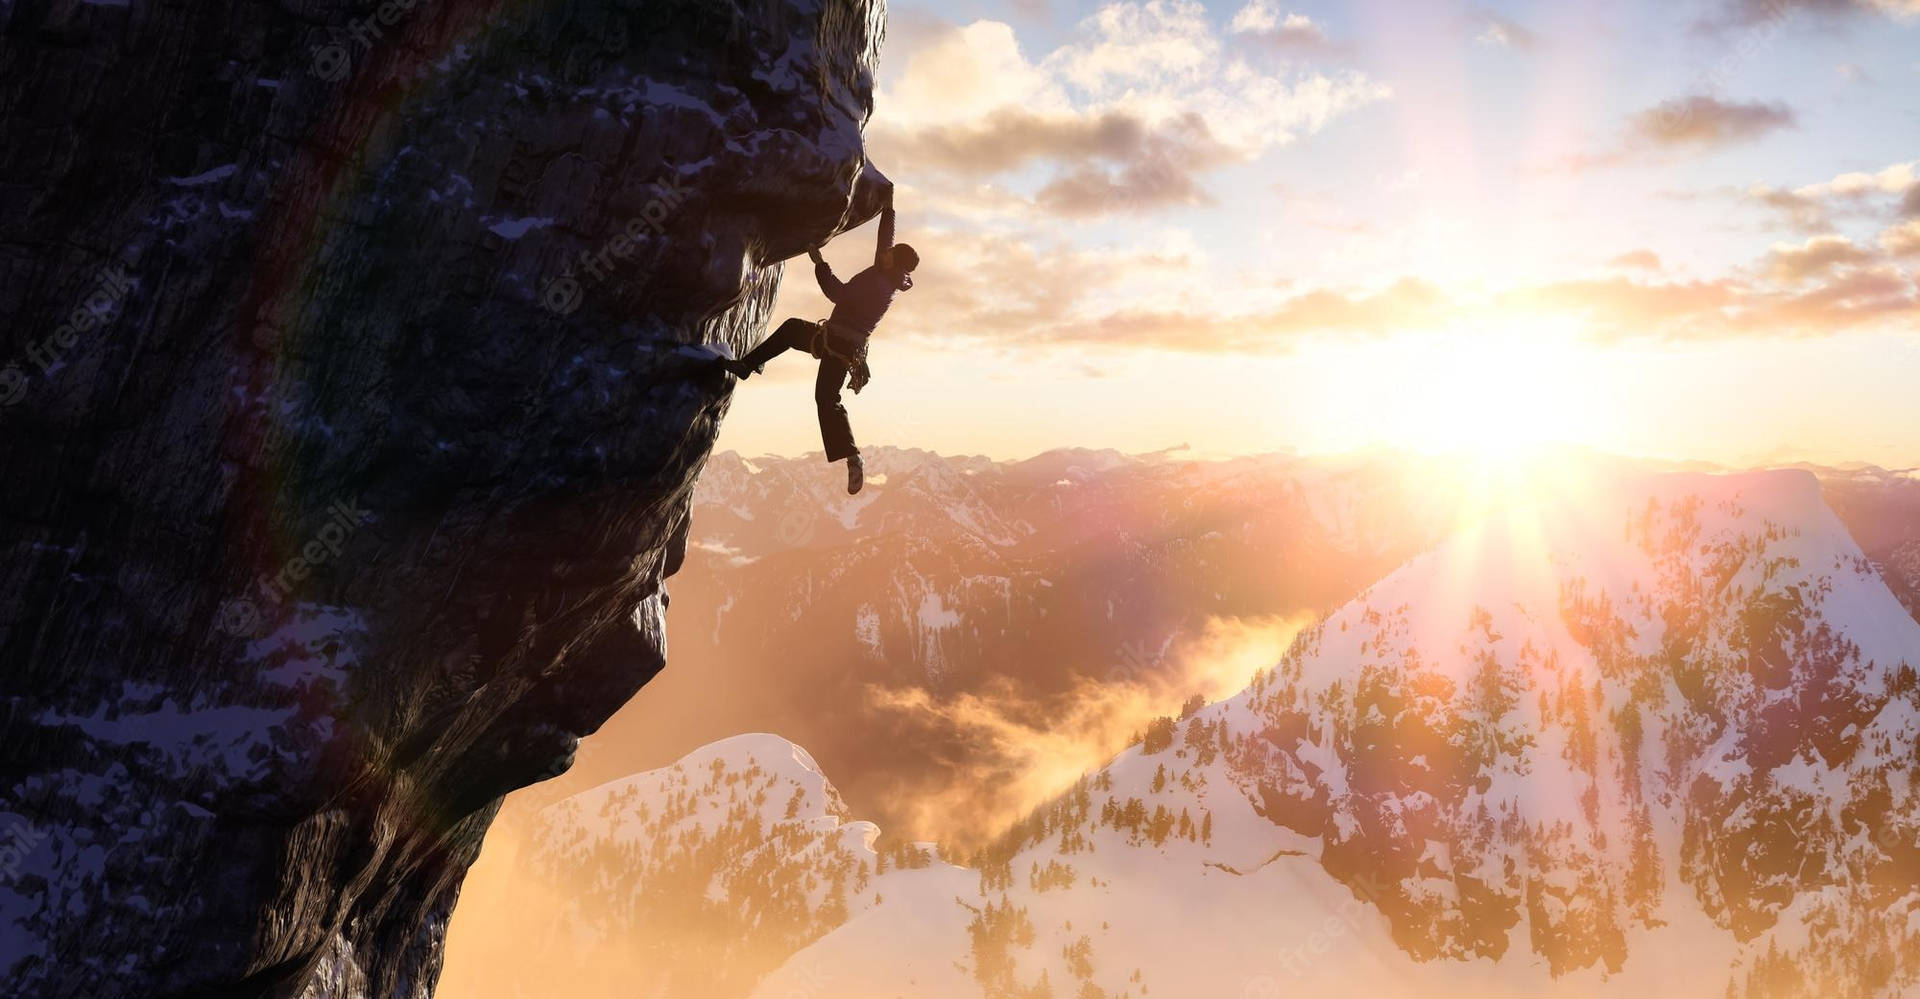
x: 1661, y: 740
x: 1018, y: 588
x: 1012, y: 588
x: 1656, y: 735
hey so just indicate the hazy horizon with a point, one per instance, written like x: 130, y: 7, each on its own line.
x: 1186, y: 452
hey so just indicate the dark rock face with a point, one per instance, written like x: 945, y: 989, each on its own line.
x: 350, y: 423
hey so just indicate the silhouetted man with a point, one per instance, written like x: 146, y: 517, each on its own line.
x: 841, y: 341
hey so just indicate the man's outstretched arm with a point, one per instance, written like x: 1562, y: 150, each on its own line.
x: 883, y: 248
x: 829, y: 285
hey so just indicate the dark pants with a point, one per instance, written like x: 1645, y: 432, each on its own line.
x: 836, y: 434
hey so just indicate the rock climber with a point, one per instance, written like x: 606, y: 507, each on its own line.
x: 840, y: 341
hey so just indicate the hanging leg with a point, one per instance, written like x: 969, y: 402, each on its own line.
x: 836, y: 431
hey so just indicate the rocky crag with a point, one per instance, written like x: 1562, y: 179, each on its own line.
x: 351, y: 413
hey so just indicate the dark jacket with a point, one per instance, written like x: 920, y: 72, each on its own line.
x: 859, y: 302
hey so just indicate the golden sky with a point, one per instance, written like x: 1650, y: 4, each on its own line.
x: 1683, y: 230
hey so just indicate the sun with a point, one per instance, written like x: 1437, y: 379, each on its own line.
x: 1503, y: 391
x: 1508, y: 413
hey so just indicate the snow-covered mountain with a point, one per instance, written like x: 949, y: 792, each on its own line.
x: 709, y: 872
x: 1654, y: 737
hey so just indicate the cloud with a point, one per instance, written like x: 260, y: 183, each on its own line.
x: 964, y: 74
x: 1797, y: 211
x: 1125, y: 44
x: 1622, y: 307
x: 1856, y: 295
x: 1641, y: 260
x: 1008, y: 290
x: 1854, y: 73
x: 1262, y: 16
x: 1126, y: 115
x: 1262, y: 21
x: 912, y: 29
x: 1407, y: 304
x: 989, y: 189
x: 1022, y: 753
x: 1811, y: 207
x: 1754, y: 12
x: 1135, y: 186
x: 1685, y: 126
x: 1706, y: 122
x: 1902, y: 240
x: 1892, y: 179
x: 1012, y: 288
x: 1818, y: 256
x: 1009, y: 138
x: 1107, y: 162
x: 1016, y: 290
x: 1501, y: 32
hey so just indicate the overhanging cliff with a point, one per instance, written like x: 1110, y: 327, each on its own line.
x: 350, y: 425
